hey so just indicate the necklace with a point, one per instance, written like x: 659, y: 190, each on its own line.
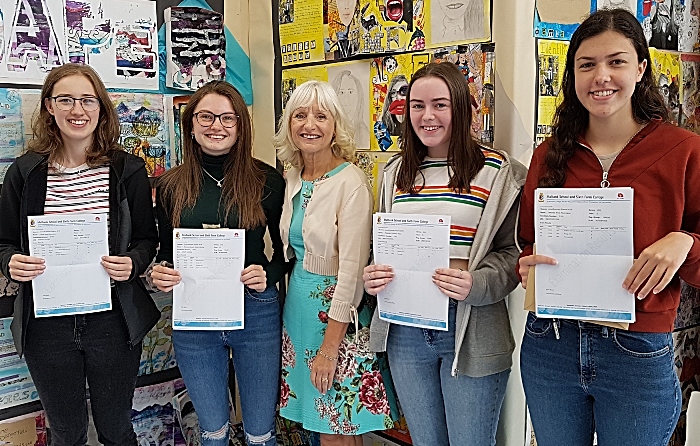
x: 218, y: 182
x: 605, y: 183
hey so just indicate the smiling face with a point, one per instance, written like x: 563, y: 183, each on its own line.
x: 312, y: 129
x: 77, y: 126
x: 453, y: 9
x: 346, y: 10
x: 606, y: 71
x: 215, y: 139
x: 430, y: 110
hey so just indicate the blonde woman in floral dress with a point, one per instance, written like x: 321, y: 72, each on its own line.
x: 331, y: 382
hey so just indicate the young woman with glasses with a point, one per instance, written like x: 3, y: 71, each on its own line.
x: 74, y: 165
x: 221, y: 185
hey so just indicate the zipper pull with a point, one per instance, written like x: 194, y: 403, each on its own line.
x: 605, y: 183
x: 555, y: 324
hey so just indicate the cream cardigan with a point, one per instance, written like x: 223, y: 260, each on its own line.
x: 337, y: 228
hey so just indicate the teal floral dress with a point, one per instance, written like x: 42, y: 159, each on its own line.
x: 357, y: 402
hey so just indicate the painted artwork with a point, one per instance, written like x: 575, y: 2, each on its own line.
x: 689, y: 309
x: 143, y: 129
x: 152, y: 414
x: 177, y: 106
x: 196, y: 47
x: 117, y: 38
x: 464, y: 21
x: 351, y: 83
x: 157, y: 350
x: 24, y: 430
x: 11, y: 128
x: 690, y: 92
x: 667, y: 70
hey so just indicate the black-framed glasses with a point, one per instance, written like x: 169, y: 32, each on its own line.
x: 402, y: 91
x: 66, y: 103
x: 206, y: 119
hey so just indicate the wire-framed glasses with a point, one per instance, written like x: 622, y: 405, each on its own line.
x: 206, y: 119
x: 66, y: 103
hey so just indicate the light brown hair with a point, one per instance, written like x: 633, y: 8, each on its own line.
x: 244, y: 180
x: 46, y: 136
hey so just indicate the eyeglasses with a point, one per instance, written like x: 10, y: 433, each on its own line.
x: 66, y: 103
x: 206, y: 119
x: 402, y: 91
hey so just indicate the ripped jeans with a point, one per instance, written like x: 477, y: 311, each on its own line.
x: 203, y: 358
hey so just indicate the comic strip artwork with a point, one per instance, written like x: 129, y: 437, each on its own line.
x: 690, y: 92
x: 667, y: 70
x: 476, y: 61
x: 551, y: 61
x: 196, y: 47
x: 143, y: 131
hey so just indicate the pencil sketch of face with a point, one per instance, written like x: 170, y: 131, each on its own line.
x: 352, y: 98
x: 346, y: 10
x: 460, y: 19
x: 630, y: 5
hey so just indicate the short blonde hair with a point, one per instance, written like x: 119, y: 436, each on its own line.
x: 305, y: 95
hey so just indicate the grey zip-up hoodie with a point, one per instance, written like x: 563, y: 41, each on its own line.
x: 484, y: 341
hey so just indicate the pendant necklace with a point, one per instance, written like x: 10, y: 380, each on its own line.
x: 218, y: 182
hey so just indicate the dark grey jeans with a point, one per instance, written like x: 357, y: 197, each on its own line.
x: 62, y: 352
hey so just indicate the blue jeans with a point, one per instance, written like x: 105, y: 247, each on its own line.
x: 62, y: 352
x: 442, y: 409
x: 617, y: 383
x: 203, y: 358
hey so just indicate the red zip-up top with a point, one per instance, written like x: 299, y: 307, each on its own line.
x: 662, y: 164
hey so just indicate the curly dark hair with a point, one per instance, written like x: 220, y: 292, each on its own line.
x: 464, y: 155
x: 571, y: 117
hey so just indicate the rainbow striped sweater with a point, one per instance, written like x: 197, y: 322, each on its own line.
x: 465, y: 208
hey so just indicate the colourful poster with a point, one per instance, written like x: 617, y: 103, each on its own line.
x: 11, y: 128
x: 294, y: 77
x: 143, y: 130
x: 157, y: 350
x: 667, y: 70
x: 301, y: 31
x: 551, y: 62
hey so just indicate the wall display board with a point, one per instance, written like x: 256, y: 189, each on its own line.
x: 17, y: 385
x: 116, y: 37
x: 668, y: 25
x: 311, y: 31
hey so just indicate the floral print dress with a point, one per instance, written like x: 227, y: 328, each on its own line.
x: 357, y: 402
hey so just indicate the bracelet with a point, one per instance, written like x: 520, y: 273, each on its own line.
x: 330, y: 358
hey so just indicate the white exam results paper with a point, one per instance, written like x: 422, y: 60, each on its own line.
x: 414, y: 245
x: 72, y: 246
x: 210, y: 295
x: 589, y: 232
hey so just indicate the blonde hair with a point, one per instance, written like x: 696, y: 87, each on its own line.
x: 305, y: 95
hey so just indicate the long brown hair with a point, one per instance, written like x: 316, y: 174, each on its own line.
x: 46, y: 136
x: 464, y: 156
x: 571, y: 117
x: 244, y: 180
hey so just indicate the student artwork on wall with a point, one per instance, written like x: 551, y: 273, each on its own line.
x: 687, y: 361
x: 153, y: 417
x: 116, y: 37
x: 143, y: 129
x: 690, y: 92
x: 351, y: 83
x: 551, y: 62
x: 463, y: 21
x: 11, y: 128
x: 372, y: 164
x: 157, y: 349
x: 17, y: 385
x: 689, y: 34
x: 667, y: 70
x: 196, y: 47
x: 176, y: 105
x: 558, y: 19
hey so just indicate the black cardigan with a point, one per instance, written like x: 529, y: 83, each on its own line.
x: 132, y: 233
